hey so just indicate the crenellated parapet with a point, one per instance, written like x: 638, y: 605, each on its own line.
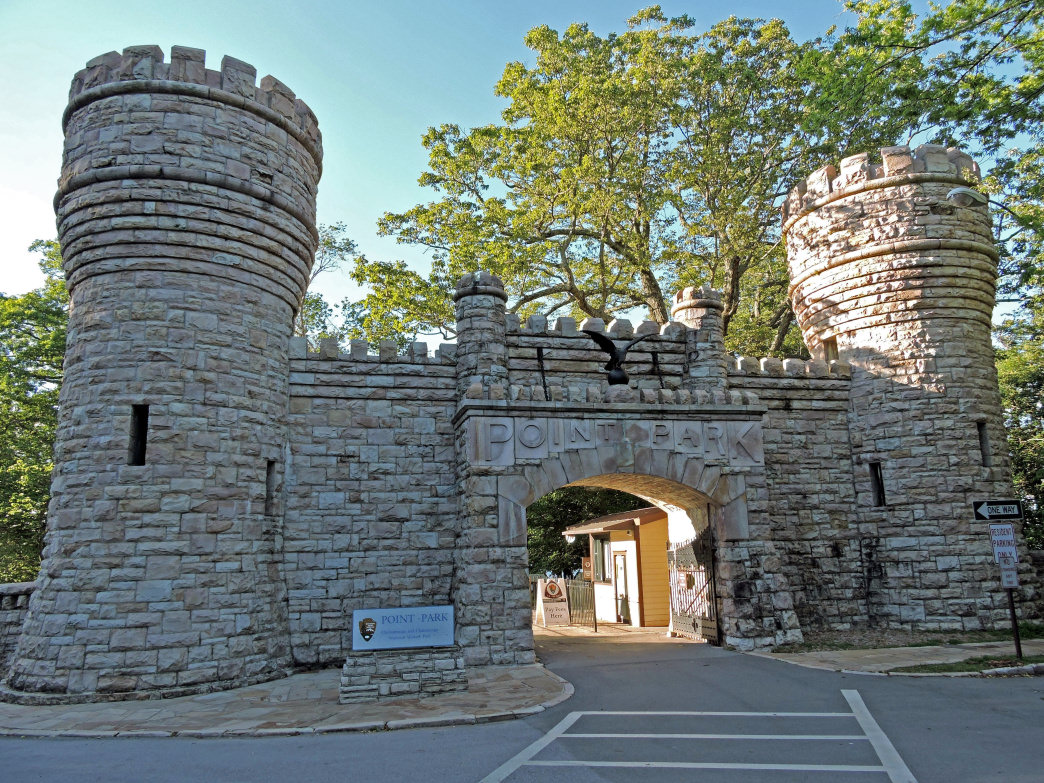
x: 770, y: 367
x: 897, y: 166
x: 174, y: 167
x: 141, y: 69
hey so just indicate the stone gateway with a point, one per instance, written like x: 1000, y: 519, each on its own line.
x: 224, y: 500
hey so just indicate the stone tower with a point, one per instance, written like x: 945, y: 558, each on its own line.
x: 894, y: 273
x: 186, y: 214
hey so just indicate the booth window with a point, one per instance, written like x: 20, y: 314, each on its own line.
x: 603, y: 561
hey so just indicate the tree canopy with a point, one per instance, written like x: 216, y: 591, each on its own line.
x: 627, y: 166
x: 32, y: 346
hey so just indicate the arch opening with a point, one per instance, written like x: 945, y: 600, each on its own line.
x: 635, y: 568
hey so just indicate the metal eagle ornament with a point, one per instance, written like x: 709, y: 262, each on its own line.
x: 616, y: 354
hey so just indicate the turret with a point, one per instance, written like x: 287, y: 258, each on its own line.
x: 186, y: 214
x: 893, y: 271
x: 701, y: 309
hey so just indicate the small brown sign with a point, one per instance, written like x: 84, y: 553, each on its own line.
x: 367, y: 628
x: 585, y: 564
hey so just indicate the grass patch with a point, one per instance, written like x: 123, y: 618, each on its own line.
x: 970, y: 665
x: 874, y: 638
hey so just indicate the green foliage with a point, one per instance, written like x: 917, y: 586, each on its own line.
x: 1020, y: 370
x: 32, y: 345
x: 550, y: 515
x: 315, y: 320
x: 636, y: 163
x: 624, y: 166
x: 402, y: 305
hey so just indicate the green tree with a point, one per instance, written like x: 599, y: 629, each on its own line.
x: 633, y: 164
x: 1020, y: 370
x: 315, y: 320
x: 32, y: 346
x: 550, y: 515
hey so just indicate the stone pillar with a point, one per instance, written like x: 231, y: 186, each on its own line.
x: 893, y: 274
x: 481, y: 334
x: 186, y: 213
x: 491, y: 595
x: 700, y: 309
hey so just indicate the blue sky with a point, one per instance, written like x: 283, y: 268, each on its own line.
x: 377, y: 74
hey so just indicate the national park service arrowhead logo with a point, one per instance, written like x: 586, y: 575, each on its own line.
x: 367, y: 628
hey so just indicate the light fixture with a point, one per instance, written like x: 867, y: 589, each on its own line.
x: 965, y: 197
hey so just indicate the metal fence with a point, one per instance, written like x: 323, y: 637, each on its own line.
x: 581, y: 602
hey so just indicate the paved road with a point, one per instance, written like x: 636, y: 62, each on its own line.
x: 942, y: 730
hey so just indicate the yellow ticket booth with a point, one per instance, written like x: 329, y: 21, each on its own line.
x: 629, y: 566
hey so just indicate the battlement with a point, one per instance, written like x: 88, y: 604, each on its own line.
x: 387, y: 351
x: 899, y: 164
x: 697, y: 296
x: 618, y: 328
x: 789, y: 368
x: 142, y: 69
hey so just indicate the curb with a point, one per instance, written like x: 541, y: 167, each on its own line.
x: 428, y: 721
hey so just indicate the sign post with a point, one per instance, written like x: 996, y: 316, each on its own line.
x: 1005, y: 552
x: 552, y: 602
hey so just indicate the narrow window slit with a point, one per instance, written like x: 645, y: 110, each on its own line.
x: 270, y: 486
x: 830, y: 353
x: 139, y: 434
x: 877, y: 483
x: 984, y: 444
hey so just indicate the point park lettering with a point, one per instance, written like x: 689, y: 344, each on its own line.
x: 502, y: 440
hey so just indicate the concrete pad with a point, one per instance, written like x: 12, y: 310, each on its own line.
x: 300, y: 704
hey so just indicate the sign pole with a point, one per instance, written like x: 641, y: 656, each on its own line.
x: 1014, y: 623
x: 1005, y: 551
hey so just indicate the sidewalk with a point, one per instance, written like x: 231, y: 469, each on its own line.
x: 300, y: 704
x: 306, y: 703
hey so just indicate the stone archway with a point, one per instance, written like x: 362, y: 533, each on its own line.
x: 707, y: 457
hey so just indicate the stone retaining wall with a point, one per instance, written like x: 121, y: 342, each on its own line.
x: 14, y: 602
x: 390, y: 674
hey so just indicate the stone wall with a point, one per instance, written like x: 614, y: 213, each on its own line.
x: 371, y: 503
x: 390, y: 674
x: 14, y: 602
x: 808, y: 464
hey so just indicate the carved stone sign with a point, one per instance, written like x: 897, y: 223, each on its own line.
x: 501, y: 440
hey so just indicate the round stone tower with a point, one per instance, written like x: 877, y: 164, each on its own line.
x: 186, y: 214
x: 893, y: 271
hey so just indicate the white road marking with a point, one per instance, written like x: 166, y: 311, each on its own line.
x: 892, y: 763
x: 633, y: 735
x: 736, y: 714
x: 526, y: 754
x: 898, y: 772
x: 708, y: 765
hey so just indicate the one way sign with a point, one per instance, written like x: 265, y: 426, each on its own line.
x: 997, y: 509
